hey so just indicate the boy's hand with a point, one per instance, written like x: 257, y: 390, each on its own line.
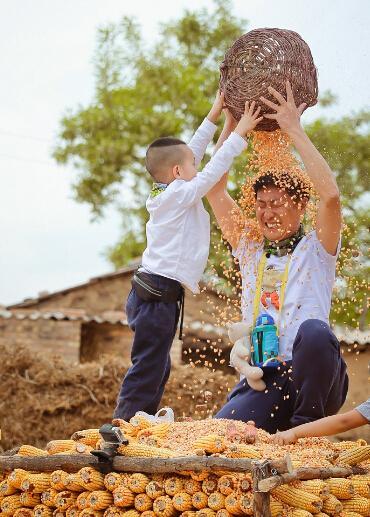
x: 230, y: 122
x: 217, y: 107
x: 249, y: 119
x: 285, y: 438
x: 287, y: 114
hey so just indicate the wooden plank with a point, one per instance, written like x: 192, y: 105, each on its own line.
x: 261, y: 500
x: 72, y: 463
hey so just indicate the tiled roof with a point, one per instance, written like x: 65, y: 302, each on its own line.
x: 114, y: 317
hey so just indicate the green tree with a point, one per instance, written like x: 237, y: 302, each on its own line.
x: 146, y: 91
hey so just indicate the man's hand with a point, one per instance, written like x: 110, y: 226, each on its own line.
x: 249, y: 119
x: 285, y: 438
x: 217, y: 107
x: 287, y: 114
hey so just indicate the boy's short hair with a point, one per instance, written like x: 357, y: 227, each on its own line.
x: 295, y: 186
x: 164, y: 152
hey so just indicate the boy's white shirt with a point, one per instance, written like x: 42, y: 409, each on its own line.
x: 178, y: 230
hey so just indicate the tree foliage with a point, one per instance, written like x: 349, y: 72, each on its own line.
x: 144, y: 91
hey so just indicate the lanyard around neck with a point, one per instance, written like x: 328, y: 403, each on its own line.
x: 257, y: 296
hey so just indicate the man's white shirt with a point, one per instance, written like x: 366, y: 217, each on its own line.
x: 178, y: 230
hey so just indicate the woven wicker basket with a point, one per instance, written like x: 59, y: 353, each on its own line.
x: 265, y: 57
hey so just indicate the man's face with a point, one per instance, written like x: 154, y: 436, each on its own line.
x: 277, y: 214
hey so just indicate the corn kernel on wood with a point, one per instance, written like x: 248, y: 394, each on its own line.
x: 42, y: 510
x: 357, y: 504
x: 199, y: 500
x: 143, y: 503
x: 182, y: 501
x: 100, y: 499
x: 332, y: 505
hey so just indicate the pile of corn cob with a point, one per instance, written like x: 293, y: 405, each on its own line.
x: 191, y: 494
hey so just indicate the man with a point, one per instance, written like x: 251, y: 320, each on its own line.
x: 288, y: 281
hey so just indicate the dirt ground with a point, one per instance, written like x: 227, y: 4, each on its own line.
x: 43, y: 399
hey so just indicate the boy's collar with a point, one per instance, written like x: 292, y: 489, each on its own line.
x: 158, y: 188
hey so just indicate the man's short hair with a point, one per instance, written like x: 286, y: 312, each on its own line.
x: 295, y: 185
x: 163, y: 153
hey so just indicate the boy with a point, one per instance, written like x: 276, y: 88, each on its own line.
x: 178, y: 235
x: 327, y: 426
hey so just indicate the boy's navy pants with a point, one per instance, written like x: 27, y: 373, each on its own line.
x: 154, y: 324
x: 312, y: 385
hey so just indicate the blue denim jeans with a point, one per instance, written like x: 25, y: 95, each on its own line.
x: 312, y: 385
x: 154, y: 324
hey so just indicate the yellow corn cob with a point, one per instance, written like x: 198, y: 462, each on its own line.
x: 42, y: 511
x: 65, y: 499
x: 131, y: 513
x: 211, y: 443
x: 87, y: 436
x: 216, y: 501
x: 224, y: 513
x: 140, y: 422
x: 163, y: 506
x: 297, y: 512
x: 91, y: 479
x: 10, y: 504
x: 58, y: 479
x: 241, y: 450
x: 246, y: 503
x: 182, y: 502
x: 159, y: 430
x: 342, y: 488
x: 332, y: 505
x: 152, y: 441
x: 127, y: 428
x: 227, y: 484
x: 59, y: 513
x: 232, y: 504
x: 205, y: 512
x: 137, y: 483
x: 82, y: 500
x: 123, y: 496
x: 89, y: 512
x: 357, y: 504
x: 73, y: 511
x: 78, y: 448
x: 209, y: 485
x: 143, y: 503
x: 30, y: 499
x: 148, y: 513
x: 48, y: 497
x: 276, y: 508
x: 345, y: 445
x: 350, y: 514
x: 29, y: 450
x: 199, y: 500
x: 23, y: 512
x: 16, y: 477
x: 315, y: 486
x: 154, y: 489
x: 245, y: 483
x: 321, y: 514
x: 113, y: 480
x: 142, y: 450
x: 199, y: 476
x: 298, y: 498
x: 188, y: 513
x: 173, y: 485
x: 112, y: 511
x: 354, y: 455
x: 73, y: 483
x: 6, y: 488
x: 361, y: 485
x: 100, y: 499
x: 36, y: 483
x: 191, y: 486
x: 58, y: 446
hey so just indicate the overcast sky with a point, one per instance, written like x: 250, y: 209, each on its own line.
x: 48, y: 241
